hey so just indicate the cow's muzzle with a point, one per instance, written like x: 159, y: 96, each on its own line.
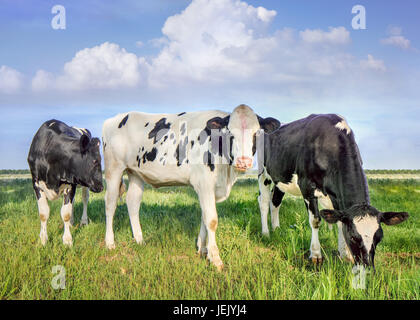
x: 243, y: 163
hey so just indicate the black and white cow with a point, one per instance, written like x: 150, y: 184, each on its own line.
x: 317, y: 158
x: 205, y: 150
x: 60, y: 158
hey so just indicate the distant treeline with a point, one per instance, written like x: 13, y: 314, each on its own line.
x: 400, y: 171
x: 368, y: 171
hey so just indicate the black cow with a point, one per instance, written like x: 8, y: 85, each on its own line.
x: 317, y: 157
x: 60, y: 158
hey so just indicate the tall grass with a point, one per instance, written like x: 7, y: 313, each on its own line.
x: 167, y: 267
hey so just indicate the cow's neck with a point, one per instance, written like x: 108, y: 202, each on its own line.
x: 352, y: 186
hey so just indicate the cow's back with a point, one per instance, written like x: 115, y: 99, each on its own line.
x: 158, y: 147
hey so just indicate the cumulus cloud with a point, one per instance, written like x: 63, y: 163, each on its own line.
x: 396, y: 38
x: 218, y: 43
x: 106, y: 66
x: 338, y: 35
x: 11, y: 80
x: 372, y: 63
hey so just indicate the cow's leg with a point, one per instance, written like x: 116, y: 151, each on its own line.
x: 209, y: 217
x: 113, y: 180
x: 314, y: 221
x: 264, y: 202
x: 276, y: 199
x: 133, y: 199
x: 66, y: 213
x: 85, y: 199
x: 44, y: 213
x: 202, y: 240
x: 343, y: 249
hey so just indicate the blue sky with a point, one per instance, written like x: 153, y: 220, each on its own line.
x: 285, y: 59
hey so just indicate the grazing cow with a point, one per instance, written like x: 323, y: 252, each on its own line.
x: 60, y: 158
x: 317, y: 158
x: 205, y: 150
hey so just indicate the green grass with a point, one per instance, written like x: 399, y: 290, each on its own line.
x: 167, y: 267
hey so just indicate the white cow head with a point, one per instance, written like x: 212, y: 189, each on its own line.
x: 235, y: 135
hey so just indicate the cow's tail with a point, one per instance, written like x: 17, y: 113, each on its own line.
x: 122, y: 188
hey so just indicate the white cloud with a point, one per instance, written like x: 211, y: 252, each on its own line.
x: 106, y: 66
x: 396, y: 38
x: 338, y: 35
x: 397, y: 41
x: 223, y: 44
x: 11, y: 80
x: 42, y: 80
x: 372, y: 63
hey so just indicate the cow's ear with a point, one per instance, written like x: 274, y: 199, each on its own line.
x: 84, y: 143
x: 217, y: 123
x: 332, y: 216
x: 391, y: 218
x: 268, y: 124
x: 95, y: 142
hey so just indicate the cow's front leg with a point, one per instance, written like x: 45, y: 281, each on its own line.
x: 343, y: 249
x: 209, y: 217
x: 314, y: 221
x: 85, y: 199
x: 264, y: 202
x: 44, y: 213
x: 202, y: 240
x: 113, y: 180
x: 66, y: 213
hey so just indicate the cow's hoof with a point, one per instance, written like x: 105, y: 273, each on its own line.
x: 266, y: 234
x: 44, y: 240
x: 68, y: 242
x: 110, y: 246
x: 84, y: 222
x: 316, y: 260
x: 219, y: 266
x: 202, y: 253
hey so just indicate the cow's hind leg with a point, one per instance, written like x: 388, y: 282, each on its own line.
x: 44, y: 213
x: 276, y: 199
x: 66, y: 213
x: 85, y: 199
x: 202, y: 240
x: 264, y: 202
x: 133, y: 199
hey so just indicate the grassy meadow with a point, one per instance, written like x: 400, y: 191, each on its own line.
x: 167, y: 267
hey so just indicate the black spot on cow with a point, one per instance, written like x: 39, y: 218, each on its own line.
x: 208, y: 159
x: 183, y: 129
x: 277, y: 196
x: 123, y: 122
x: 68, y: 197
x: 181, y: 151
x: 204, y: 134
x: 165, y: 138
x: 267, y: 182
x: 161, y: 129
x: 192, y: 143
x: 180, y: 114
x: 147, y: 123
x: 150, y: 155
